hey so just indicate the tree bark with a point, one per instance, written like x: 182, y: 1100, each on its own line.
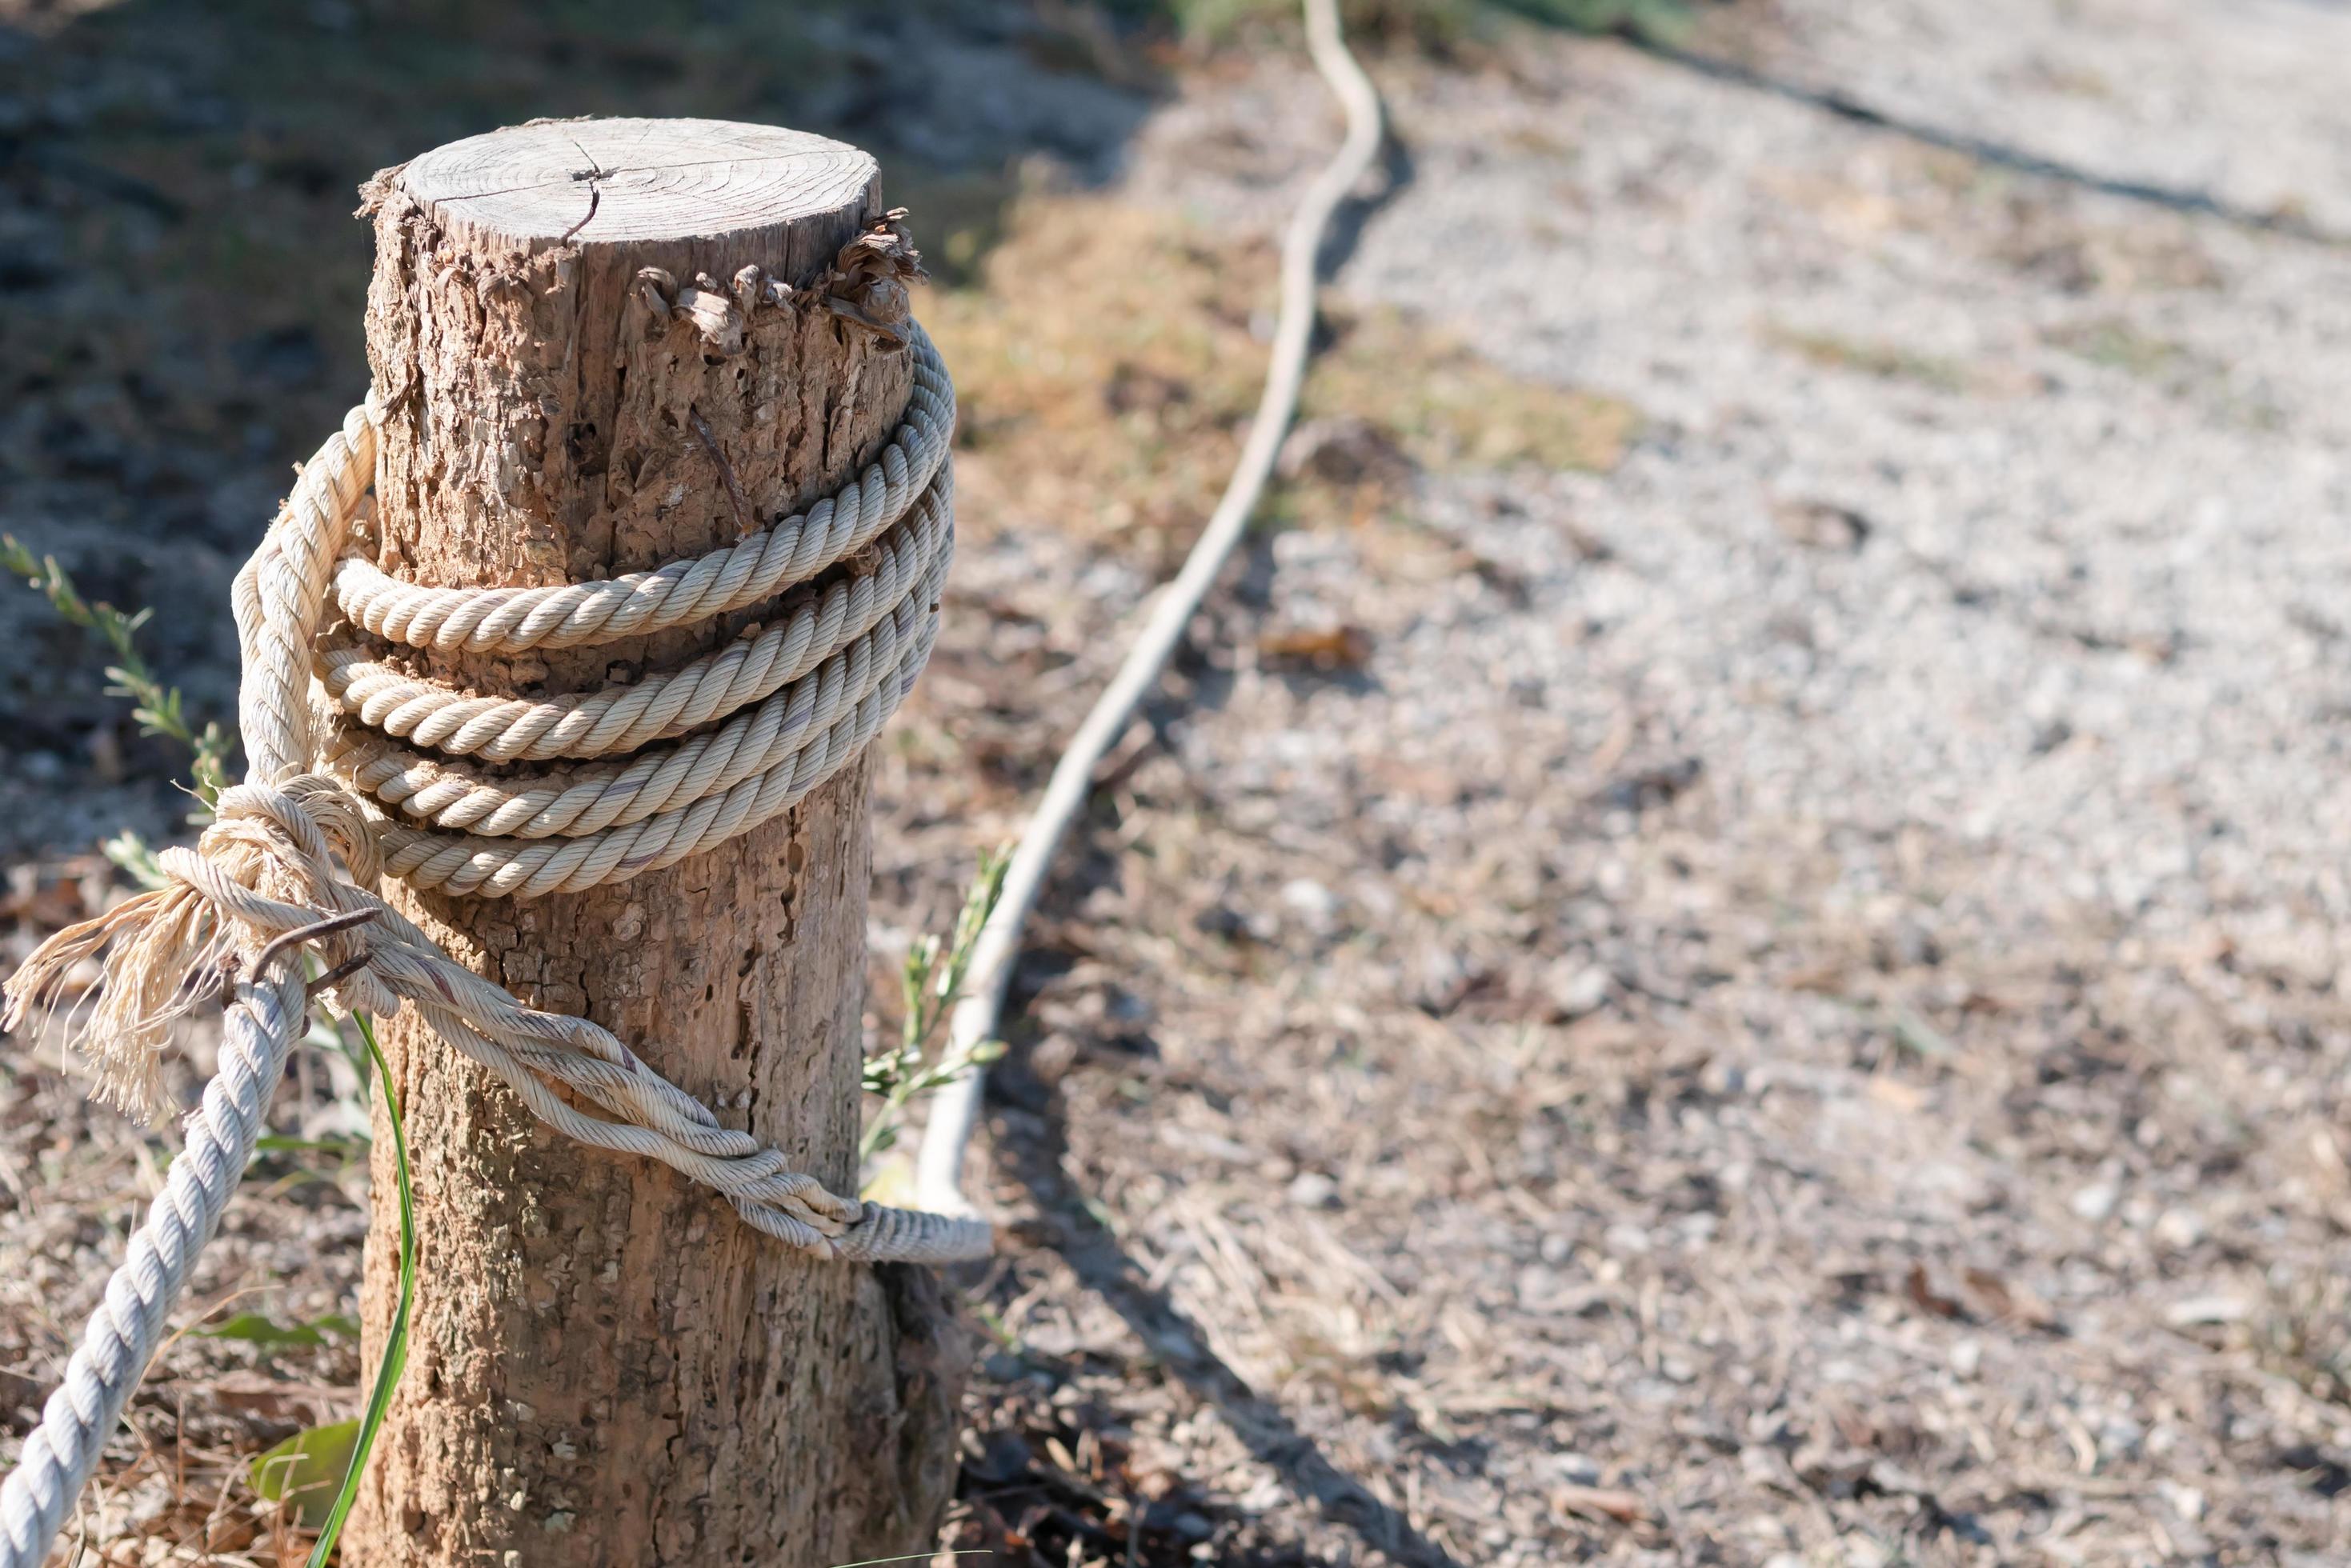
x: 606, y: 1366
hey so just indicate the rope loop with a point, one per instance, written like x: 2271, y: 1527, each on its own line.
x: 580, y: 615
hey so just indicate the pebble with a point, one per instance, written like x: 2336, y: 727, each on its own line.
x: 1315, y: 905
x: 1312, y: 1190
x: 2205, y: 1311
x: 2095, y: 1202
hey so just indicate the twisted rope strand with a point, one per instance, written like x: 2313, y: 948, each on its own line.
x: 258, y: 1032
x: 489, y: 868
x: 575, y: 615
x: 284, y: 585
x: 663, y: 704
x: 589, y: 800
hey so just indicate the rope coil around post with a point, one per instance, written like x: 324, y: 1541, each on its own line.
x: 360, y: 771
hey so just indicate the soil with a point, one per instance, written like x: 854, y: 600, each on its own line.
x: 1750, y: 974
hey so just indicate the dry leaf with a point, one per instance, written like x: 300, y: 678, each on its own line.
x: 1327, y: 648
x: 2008, y: 1303
x: 1596, y: 1503
x: 1922, y: 1294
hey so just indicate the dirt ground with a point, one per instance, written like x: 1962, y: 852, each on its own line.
x: 1730, y: 950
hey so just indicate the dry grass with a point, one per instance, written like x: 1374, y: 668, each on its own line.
x: 1869, y: 357
x: 1108, y: 357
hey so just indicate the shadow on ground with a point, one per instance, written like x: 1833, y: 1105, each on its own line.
x: 1094, y: 1255
x: 183, y: 280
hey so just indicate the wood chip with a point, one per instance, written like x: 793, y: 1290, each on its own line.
x: 1609, y: 1504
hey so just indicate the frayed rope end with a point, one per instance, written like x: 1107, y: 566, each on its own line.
x: 163, y: 954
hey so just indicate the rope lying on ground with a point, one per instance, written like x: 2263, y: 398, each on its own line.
x: 938, y: 1182
x: 342, y: 747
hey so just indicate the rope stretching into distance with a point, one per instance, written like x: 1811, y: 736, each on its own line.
x: 360, y: 770
x: 955, y: 1112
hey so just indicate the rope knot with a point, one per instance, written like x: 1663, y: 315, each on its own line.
x: 317, y: 814
x: 267, y: 866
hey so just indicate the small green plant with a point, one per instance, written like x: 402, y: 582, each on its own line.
x: 134, y: 857
x: 928, y: 986
x: 158, y: 708
x: 267, y: 1334
x: 299, y: 1474
x: 299, y: 1471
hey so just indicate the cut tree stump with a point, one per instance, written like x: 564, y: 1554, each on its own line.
x: 607, y: 1365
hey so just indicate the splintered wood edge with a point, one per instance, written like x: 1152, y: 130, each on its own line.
x: 635, y: 182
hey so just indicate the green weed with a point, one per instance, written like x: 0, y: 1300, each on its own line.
x: 929, y: 984
x: 158, y: 708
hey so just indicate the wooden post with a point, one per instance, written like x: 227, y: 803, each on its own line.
x: 607, y: 1366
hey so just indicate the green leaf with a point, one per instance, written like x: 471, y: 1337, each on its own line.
x: 302, y: 1471
x: 395, y: 1347
x: 159, y: 711
x: 930, y: 982
x: 253, y: 1328
x: 131, y: 853
x: 349, y: 1147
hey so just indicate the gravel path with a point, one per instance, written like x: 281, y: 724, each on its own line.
x: 1789, y: 1012
x: 2241, y: 101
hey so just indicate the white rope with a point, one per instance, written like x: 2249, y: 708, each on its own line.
x: 514, y: 620
x: 666, y: 704
x: 330, y: 732
x: 258, y: 1031
x: 588, y: 800
x: 955, y: 1112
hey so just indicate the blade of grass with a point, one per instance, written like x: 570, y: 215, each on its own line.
x: 396, y: 1348
x: 929, y: 985
x: 159, y: 709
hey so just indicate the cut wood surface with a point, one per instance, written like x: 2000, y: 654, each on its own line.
x: 608, y: 1365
